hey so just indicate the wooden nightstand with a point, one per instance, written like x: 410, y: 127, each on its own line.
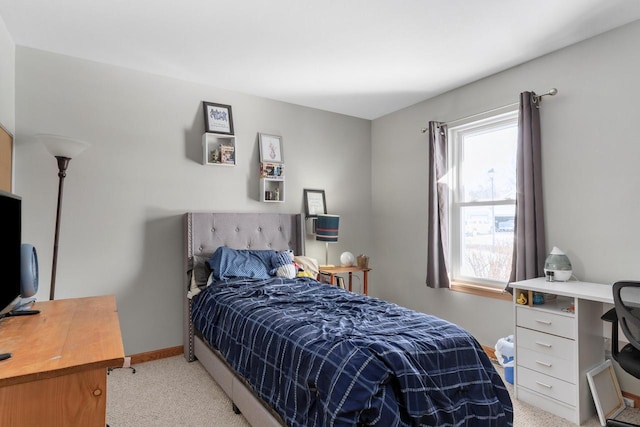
x: 332, y: 271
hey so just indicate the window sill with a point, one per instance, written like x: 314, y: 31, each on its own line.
x: 480, y: 290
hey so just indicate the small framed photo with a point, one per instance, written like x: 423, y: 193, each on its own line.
x: 271, y: 148
x: 217, y: 118
x: 605, y: 391
x: 314, y: 203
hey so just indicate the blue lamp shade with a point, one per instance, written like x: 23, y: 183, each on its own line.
x: 326, y: 228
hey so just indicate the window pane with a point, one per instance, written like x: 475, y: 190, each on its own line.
x: 486, y: 241
x: 487, y: 169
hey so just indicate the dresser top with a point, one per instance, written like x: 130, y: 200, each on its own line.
x: 576, y: 289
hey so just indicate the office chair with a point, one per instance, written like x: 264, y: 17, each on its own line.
x: 626, y: 312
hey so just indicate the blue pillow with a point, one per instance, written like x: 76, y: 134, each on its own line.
x: 226, y: 263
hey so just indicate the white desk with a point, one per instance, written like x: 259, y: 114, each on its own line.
x: 556, y: 343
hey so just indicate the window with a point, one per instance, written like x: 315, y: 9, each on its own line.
x: 483, y: 202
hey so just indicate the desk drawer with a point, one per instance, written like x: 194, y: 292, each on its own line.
x: 547, y: 344
x: 546, y: 364
x: 546, y: 385
x: 551, y: 323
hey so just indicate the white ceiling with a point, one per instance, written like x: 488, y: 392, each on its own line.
x: 363, y: 58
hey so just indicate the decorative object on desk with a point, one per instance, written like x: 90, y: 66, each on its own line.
x: 217, y: 118
x: 538, y: 298
x: 271, y: 148
x: 64, y: 149
x: 522, y: 299
x: 363, y: 261
x: 326, y: 230
x: 347, y: 259
x: 557, y: 266
x: 315, y: 203
x: 29, y: 273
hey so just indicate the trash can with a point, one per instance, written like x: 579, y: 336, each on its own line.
x: 505, y: 356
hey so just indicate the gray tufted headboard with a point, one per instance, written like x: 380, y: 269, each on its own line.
x: 205, y: 232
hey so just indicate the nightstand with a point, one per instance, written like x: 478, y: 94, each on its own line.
x: 332, y: 271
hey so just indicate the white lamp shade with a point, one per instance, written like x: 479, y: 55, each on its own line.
x: 61, y: 146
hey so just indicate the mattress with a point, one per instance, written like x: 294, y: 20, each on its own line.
x: 322, y: 356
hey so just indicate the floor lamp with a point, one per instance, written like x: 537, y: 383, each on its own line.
x: 64, y: 149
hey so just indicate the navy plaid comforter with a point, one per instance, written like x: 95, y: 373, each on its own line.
x: 322, y: 356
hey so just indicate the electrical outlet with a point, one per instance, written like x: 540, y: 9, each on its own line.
x: 629, y: 403
x: 127, y: 362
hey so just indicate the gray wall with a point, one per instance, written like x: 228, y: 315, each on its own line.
x: 590, y: 168
x: 7, y: 79
x: 123, y: 198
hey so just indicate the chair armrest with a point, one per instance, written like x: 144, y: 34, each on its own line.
x: 610, y: 316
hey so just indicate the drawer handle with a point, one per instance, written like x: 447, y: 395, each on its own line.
x: 543, y: 384
x: 548, y: 365
x: 544, y: 322
x: 544, y: 344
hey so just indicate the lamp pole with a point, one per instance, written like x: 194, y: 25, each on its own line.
x: 63, y: 163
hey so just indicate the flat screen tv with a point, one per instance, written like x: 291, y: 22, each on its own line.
x: 10, y: 242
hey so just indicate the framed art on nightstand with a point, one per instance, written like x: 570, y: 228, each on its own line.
x: 314, y: 203
x: 217, y: 118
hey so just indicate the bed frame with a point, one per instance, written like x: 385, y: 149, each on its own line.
x: 203, y: 233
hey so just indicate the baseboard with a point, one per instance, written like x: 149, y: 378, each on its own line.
x: 636, y: 399
x: 156, y: 354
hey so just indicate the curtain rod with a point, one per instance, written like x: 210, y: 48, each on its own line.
x: 536, y: 99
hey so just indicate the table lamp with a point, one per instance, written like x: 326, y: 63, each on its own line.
x: 326, y: 230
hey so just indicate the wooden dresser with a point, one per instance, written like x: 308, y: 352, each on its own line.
x: 57, y: 375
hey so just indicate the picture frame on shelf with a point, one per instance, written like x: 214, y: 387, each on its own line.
x: 218, y: 118
x: 315, y: 203
x: 270, y: 148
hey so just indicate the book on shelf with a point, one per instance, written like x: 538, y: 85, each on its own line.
x: 272, y: 170
x: 227, y: 154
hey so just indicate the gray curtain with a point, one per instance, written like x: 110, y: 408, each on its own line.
x: 438, y: 231
x: 529, y: 242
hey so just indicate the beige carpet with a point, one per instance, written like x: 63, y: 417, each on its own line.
x: 171, y: 392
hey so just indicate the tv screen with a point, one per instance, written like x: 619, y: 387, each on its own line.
x: 11, y: 229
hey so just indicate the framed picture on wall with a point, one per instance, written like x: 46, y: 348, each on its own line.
x: 314, y: 203
x: 217, y: 118
x: 270, y: 148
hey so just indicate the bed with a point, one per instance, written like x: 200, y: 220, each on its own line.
x: 355, y: 360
